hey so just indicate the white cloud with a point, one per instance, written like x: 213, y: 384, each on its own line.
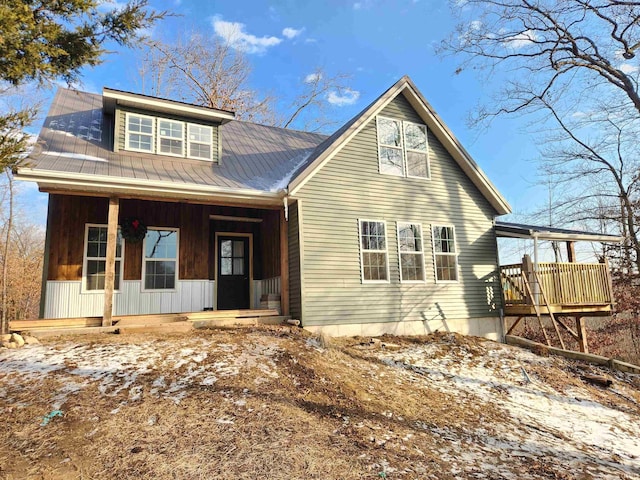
x: 347, y: 97
x: 235, y: 35
x: 291, y: 32
x: 520, y: 40
x: 628, y: 68
x: 313, y: 77
x: 310, y: 40
x: 475, y: 25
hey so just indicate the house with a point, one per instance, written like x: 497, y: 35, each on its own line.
x: 385, y: 226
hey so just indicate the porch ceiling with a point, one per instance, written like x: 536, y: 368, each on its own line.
x: 520, y: 230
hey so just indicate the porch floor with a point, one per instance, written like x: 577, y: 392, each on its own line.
x: 169, y: 323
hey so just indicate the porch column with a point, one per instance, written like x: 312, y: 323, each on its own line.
x: 582, y: 334
x: 571, y: 251
x: 284, y: 265
x: 110, y: 263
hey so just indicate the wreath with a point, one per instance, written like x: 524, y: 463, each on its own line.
x: 133, y: 230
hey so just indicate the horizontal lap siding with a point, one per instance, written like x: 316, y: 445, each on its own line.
x: 349, y: 188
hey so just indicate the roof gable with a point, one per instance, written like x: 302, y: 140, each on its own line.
x: 332, y: 145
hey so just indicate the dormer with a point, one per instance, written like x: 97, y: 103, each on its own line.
x: 158, y: 126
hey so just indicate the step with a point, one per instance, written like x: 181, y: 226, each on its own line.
x: 149, y: 319
x: 56, y: 332
x: 232, y: 314
x: 165, y: 328
x: 55, y: 323
x: 229, y: 321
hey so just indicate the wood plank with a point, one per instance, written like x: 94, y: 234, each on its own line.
x: 231, y: 321
x: 110, y: 262
x: 231, y: 314
x: 56, y: 332
x: 149, y: 320
x: 284, y: 265
x: 164, y: 328
x: 56, y: 323
x: 582, y: 334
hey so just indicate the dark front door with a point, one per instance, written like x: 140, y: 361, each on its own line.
x: 233, y: 273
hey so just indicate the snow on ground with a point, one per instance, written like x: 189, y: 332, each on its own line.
x: 563, y: 423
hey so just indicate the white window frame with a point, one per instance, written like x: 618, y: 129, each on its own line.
x: 127, y: 146
x: 454, y: 255
x: 421, y: 252
x: 86, y: 258
x: 144, y: 261
x: 385, y: 251
x: 381, y: 145
x: 403, y: 149
x: 160, y: 137
x: 189, y: 142
x: 425, y: 151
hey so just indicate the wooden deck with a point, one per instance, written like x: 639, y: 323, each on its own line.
x: 557, y: 288
x: 162, y: 323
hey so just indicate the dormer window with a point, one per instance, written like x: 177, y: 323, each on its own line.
x: 164, y: 136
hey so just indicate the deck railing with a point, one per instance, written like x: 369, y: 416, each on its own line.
x: 569, y: 284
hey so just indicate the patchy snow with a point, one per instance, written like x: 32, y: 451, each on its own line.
x: 75, y: 156
x: 556, y: 422
x: 280, y: 180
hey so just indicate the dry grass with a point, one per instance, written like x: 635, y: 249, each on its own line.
x: 334, y: 410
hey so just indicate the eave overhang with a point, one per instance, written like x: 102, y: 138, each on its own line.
x: 517, y: 230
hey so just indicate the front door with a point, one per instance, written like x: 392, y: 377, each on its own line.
x: 233, y: 273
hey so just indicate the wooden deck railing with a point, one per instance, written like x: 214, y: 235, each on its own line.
x: 563, y: 284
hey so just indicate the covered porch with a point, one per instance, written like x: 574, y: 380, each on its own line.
x: 555, y: 290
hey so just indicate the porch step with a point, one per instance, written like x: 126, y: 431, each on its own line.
x: 164, y: 328
x: 149, y: 319
x: 231, y: 314
x: 56, y: 332
x: 81, y: 322
x: 229, y: 321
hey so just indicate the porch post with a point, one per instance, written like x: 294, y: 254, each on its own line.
x: 284, y: 265
x: 571, y: 251
x: 582, y: 334
x: 110, y: 263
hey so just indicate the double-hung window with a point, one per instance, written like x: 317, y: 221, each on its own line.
x: 160, y: 261
x: 373, y: 251
x: 171, y: 137
x: 200, y: 141
x: 140, y: 133
x: 445, y: 254
x: 402, y: 148
x: 411, y: 252
x: 95, y: 258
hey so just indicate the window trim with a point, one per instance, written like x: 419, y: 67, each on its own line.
x: 421, y: 252
x: 455, y: 254
x: 86, y: 258
x: 425, y: 151
x: 403, y: 148
x: 381, y: 145
x: 361, y: 250
x: 160, y: 137
x: 127, y: 146
x: 177, y: 259
x: 210, y: 158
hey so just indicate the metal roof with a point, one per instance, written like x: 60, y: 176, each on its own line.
x: 521, y: 230
x: 76, y: 139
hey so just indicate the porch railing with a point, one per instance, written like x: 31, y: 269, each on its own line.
x: 562, y: 283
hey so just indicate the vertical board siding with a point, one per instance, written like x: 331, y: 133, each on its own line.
x: 295, y: 299
x: 265, y: 287
x: 349, y: 187
x: 65, y: 300
x: 121, y: 125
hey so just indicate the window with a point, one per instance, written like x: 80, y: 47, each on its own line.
x: 95, y: 258
x: 200, y: 140
x: 171, y: 137
x: 445, y: 254
x: 373, y: 251
x: 139, y: 133
x: 167, y: 137
x: 402, y: 148
x: 390, y: 146
x: 411, y: 252
x: 160, y: 263
x: 232, y: 257
x: 415, y: 141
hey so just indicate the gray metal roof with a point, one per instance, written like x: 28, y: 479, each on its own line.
x: 77, y: 139
x: 521, y: 230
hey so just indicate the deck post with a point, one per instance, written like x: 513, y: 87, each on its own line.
x: 571, y: 251
x: 284, y: 265
x: 110, y: 262
x: 582, y: 334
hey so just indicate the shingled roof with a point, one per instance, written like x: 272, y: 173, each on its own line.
x: 77, y: 139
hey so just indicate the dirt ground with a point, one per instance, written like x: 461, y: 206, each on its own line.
x: 277, y: 402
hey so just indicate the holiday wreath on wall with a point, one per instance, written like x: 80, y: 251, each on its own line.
x: 132, y: 229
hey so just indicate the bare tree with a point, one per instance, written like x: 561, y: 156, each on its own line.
x: 207, y: 71
x: 571, y: 66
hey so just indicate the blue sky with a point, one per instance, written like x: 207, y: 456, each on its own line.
x: 376, y: 42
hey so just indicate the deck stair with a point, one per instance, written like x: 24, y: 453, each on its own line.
x: 160, y: 323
